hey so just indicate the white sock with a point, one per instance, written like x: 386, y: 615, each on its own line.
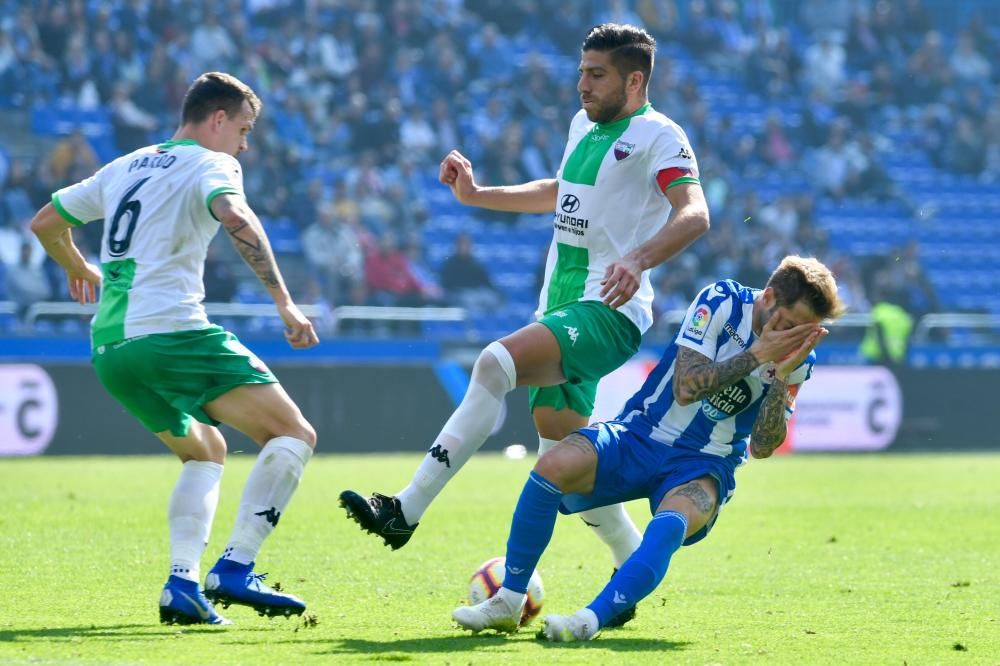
x: 511, y: 598
x: 493, y: 377
x: 270, y: 486
x: 190, y: 514
x: 545, y: 444
x: 589, y: 618
x: 616, y: 529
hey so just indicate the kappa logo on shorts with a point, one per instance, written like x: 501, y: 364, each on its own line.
x: 573, y: 333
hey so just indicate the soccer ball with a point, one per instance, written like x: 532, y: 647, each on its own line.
x: 488, y: 580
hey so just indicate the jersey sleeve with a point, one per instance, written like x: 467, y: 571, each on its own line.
x: 221, y: 174
x: 83, y: 202
x: 795, y: 381
x: 706, y: 318
x: 673, y: 160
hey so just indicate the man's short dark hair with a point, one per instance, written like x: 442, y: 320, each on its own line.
x: 217, y: 90
x: 631, y: 48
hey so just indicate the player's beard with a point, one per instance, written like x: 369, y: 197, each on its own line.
x: 608, y: 109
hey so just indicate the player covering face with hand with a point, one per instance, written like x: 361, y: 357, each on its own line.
x: 625, y: 199
x: 156, y: 353
x: 724, y: 388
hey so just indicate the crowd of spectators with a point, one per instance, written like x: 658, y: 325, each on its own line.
x: 363, y: 98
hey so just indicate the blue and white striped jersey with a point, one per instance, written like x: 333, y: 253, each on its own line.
x: 718, y: 325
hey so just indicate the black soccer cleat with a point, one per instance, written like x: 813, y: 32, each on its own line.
x: 622, y: 618
x: 381, y: 515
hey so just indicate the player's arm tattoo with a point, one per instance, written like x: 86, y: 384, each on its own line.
x: 769, y: 428
x: 696, y: 376
x: 251, y: 242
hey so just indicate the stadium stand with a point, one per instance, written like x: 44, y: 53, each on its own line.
x: 866, y: 133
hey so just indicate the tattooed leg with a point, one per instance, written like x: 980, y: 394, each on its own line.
x: 571, y: 465
x: 698, y: 500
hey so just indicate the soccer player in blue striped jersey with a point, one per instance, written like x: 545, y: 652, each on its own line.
x: 724, y: 388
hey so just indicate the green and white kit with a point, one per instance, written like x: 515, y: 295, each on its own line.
x: 153, y: 347
x: 157, y: 227
x: 609, y: 202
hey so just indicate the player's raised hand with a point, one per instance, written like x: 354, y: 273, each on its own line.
x: 83, y: 283
x: 299, y: 330
x: 776, y: 342
x: 456, y: 173
x: 787, y: 365
x: 621, y: 281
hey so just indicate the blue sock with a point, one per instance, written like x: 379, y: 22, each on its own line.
x: 530, y: 530
x: 643, y: 571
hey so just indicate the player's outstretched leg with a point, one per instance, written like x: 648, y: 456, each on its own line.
x: 501, y: 612
x: 582, y: 626
x: 380, y: 515
x: 268, y: 490
x: 181, y: 602
x: 395, y: 517
x: 622, y: 618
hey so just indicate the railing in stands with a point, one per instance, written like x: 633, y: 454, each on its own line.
x: 323, y: 317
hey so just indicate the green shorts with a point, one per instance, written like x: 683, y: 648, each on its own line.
x: 165, y: 379
x: 594, y: 340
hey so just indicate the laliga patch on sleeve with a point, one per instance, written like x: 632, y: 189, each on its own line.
x: 698, y: 323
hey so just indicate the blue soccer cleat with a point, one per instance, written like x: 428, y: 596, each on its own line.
x: 230, y: 582
x: 181, y: 602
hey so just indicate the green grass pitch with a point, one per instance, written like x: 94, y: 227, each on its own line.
x: 818, y: 560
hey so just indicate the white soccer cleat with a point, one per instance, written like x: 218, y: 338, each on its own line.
x: 494, y: 613
x: 568, y: 628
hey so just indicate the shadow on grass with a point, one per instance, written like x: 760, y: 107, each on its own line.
x: 110, y: 632
x: 453, y: 644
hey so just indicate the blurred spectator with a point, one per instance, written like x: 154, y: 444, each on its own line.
x: 388, y: 276
x: 70, y: 160
x: 220, y: 282
x: 888, y: 337
x: 824, y: 66
x: 211, y: 46
x: 416, y: 136
x: 334, y: 252
x: 26, y: 282
x: 781, y: 217
x: 466, y: 281
x: 968, y: 64
x: 966, y: 151
x: 776, y: 145
x: 132, y: 125
x: 834, y: 162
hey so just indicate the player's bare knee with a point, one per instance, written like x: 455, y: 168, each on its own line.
x: 494, y: 369
x: 306, y: 433
x: 548, y: 468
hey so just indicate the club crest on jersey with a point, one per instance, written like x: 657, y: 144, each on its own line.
x: 623, y: 149
x: 699, y: 323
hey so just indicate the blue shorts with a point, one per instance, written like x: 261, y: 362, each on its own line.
x: 632, y: 467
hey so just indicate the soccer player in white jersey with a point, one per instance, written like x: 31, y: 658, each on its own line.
x: 726, y: 385
x: 626, y: 198
x: 155, y: 351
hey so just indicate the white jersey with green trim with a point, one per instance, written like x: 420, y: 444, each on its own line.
x: 157, y: 228
x: 610, y: 202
